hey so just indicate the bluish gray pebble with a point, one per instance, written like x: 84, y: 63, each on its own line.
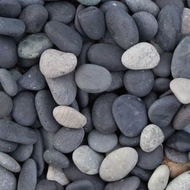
x: 77, y: 23
x: 149, y: 99
x: 47, y: 138
x: 129, y: 141
x: 48, y: 185
x: 80, y: 185
x: 161, y: 85
x: 82, y: 98
x: 107, y: 39
x: 75, y: 105
x: 7, y: 146
x: 168, y: 131
x: 25, y: 3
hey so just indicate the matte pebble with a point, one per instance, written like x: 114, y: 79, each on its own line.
x: 168, y: 131
x: 47, y: 138
x: 163, y: 3
x: 149, y: 99
x: 80, y: 185
x: 89, y: 2
x: 7, y: 146
x: 89, y: 125
x: 129, y: 141
x: 25, y: 3
x: 82, y: 98
x: 161, y: 85
x: 118, y: 164
x: 47, y: 185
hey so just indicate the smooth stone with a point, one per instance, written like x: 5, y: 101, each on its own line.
x: 69, y: 117
x: 150, y: 160
x: 143, y: 5
x: 168, y: 131
x: 162, y: 111
x: 118, y: 164
x: 14, y: 132
x: 87, y: 160
x: 82, y: 98
x: 163, y: 3
x: 161, y: 85
x: 185, y: 27
x: 47, y: 185
x: 182, y: 117
x: 138, y: 83
x: 45, y: 104
x: 28, y: 176
x: 134, y: 109
x: 129, y: 141
x: 7, y: 146
x: 54, y: 63
x: 89, y: 2
x: 167, y: 93
x: 67, y: 139
x: 103, y: 106
x: 63, y: 89
x: 106, y: 55
x: 56, y: 158
x: 32, y: 46
x: 80, y: 185
x: 163, y: 69
x: 8, y: 82
x: 22, y: 152
x: 47, y: 138
x: 107, y: 39
x: 165, y: 41
x: 8, y: 180
x: 159, y: 179
x: 149, y: 99
x: 179, y: 141
x: 75, y: 105
x: 61, y: 11
x: 8, y: 51
x: 181, y: 89
x: 141, y: 56
x: 180, y: 60
x: 99, y: 78
x: 9, y: 8
x: 64, y: 37
x: 57, y: 174
x: 11, y: 27
x: 27, y: 63
x: 25, y: 3
x: 129, y: 183
x: 102, y: 142
x: 6, y: 104
x: 77, y: 23
x: 151, y: 137
x: 122, y: 27
x: 24, y: 111
x: 175, y: 155
x: 182, y: 182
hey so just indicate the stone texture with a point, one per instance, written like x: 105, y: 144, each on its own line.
x: 185, y: 27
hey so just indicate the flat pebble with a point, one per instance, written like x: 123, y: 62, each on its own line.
x: 118, y: 164
x: 89, y: 2
x: 80, y: 185
x: 54, y: 63
x: 141, y: 56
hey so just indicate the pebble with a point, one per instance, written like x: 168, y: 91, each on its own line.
x: 141, y: 56
x: 61, y: 11
x: 129, y: 183
x: 136, y: 119
x: 89, y: 2
x: 47, y: 185
x: 99, y: 78
x: 103, y: 106
x: 69, y: 117
x: 106, y: 55
x: 64, y: 37
x: 8, y: 180
x: 122, y: 27
x: 102, y: 142
x: 57, y: 174
x: 149, y: 99
x: 55, y: 158
x: 87, y: 113
x: 159, y: 179
x: 47, y: 138
x: 129, y: 141
x: 165, y: 41
x: 24, y: 111
x: 162, y: 111
x: 161, y: 84
x: 27, y: 63
x: 139, y: 83
x: 33, y: 45
x: 67, y: 139
x: 168, y: 131
x: 143, y: 5
x: 28, y: 176
x: 118, y: 164
x: 80, y: 185
x: 7, y: 146
x: 45, y: 104
x: 185, y: 27
x: 87, y: 160
x: 25, y: 3
x: 82, y: 98
x: 150, y: 160
x: 151, y: 137
x: 54, y: 63
x: 63, y: 89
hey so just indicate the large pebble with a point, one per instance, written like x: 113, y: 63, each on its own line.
x: 151, y: 137
x: 69, y: 117
x: 64, y: 37
x: 134, y: 109
x: 122, y: 28
x: 118, y: 164
x: 141, y: 56
x: 32, y: 46
x: 80, y: 185
x: 87, y: 160
x: 159, y: 179
x: 185, y: 27
x: 89, y: 2
x: 99, y: 78
x: 162, y: 111
x: 66, y: 139
x: 54, y: 63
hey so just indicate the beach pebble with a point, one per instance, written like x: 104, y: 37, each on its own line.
x: 7, y: 146
x: 54, y: 63
x: 163, y: 3
x: 118, y: 164
x: 80, y: 185
x: 161, y: 85
x: 149, y: 99
x: 129, y: 141
x: 89, y: 2
x: 185, y: 27
x: 48, y: 185
x: 87, y: 113
x: 25, y: 3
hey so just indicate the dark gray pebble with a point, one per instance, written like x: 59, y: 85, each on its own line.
x: 7, y: 146
x: 27, y: 63
x: 149, y: 99
x: 80, y: 185
x: 135, y: 109
x: 47, y: 138
x: 25, y: 3
x: 129, y: 141
x: 82, y: 98
x: 77, y: 23
x: 168, y: 131
x: 75, y: 105
x: 161, y: 84
x: 107, y: 39
x: 48, y: 185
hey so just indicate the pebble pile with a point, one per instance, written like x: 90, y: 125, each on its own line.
x: 94, y: 94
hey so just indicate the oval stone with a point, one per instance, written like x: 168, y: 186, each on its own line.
x: 118, y: 164
x: 130, y: 115
x: 141, y: 56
